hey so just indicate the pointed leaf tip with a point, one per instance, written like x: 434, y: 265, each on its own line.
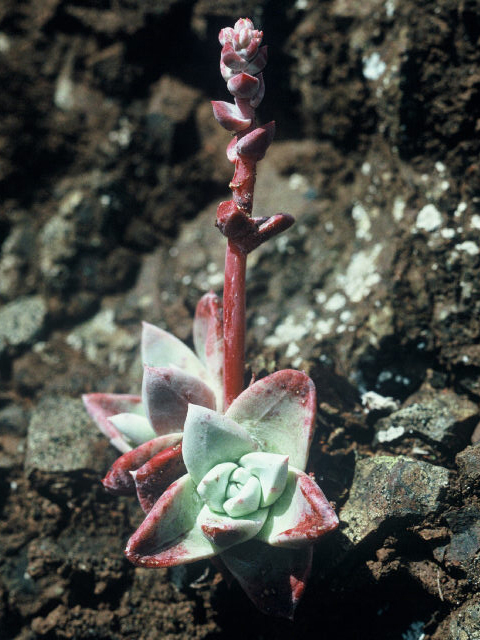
x: 166, y: 393
x: 278, y: 411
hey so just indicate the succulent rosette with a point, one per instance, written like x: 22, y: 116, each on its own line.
x: 245, y: 496
x: 148, y: 429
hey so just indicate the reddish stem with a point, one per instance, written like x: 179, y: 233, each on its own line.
x: 234, y: 323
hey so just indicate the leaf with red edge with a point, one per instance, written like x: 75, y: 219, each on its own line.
x: 169, y: 535
x: 279, y: 413
x: 274, y: 579
x: 301, y: 515
x: 162, y: 349
x: 166, y: 393
x: 101, y: 406
x: 208, y: 339
x: 157, y: 474
x: 224, y: 532
x: 229, y: 116
x: 119, y: 480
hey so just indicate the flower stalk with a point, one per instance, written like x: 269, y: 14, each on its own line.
x: 241, y: 63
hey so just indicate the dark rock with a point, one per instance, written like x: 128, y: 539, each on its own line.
x: 13, y: 420
x: 462, y: 552
x: 462, y: 624
x: 62, y: 439
x: 439, y: 417
x: 468, y: 462
x: 386, y: 489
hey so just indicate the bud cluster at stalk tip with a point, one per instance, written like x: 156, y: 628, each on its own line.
x: 241, y: 63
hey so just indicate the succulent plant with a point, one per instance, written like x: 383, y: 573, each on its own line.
x: 219, y: 470
x: 245, y: 495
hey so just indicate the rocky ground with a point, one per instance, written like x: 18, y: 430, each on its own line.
x: 111, y: 166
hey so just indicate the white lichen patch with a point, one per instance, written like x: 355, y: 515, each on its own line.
x: 336, y: 302
x: 362, y: 220
x: 297, y: 182
x: 290, y: 330
x: 373, y: 66
x: 123, y: 135
x: 320, y: 296
x: 390, y: 8
x: 447, y: 233
x: 361, y: 274
x: 323, y: 328
x: 292, y: 350
x: 475, y: 222
x: 468, y: 247
x: 429, y: 218
x: 392, y: 433
x: 373, y: 401
x: 462, y: 206
x: 398, y: 209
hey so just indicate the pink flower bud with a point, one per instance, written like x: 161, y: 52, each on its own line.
x: 226, y: 35
x: 243, y: 23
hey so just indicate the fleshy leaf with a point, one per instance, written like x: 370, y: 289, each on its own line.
x: 213, y: 485
x: 255, y: 144
x: 169, y: 535
x: 300, y: 516
x: 246, y: 499
x: 162, y: 349
x: 157, y: 474
x: 258, y: 63
x: 208, y: 340
x: 101, y: 406
x: 271, y: 469
x: 166, y: 393
x: 274, y: 579
x: 243, y: 85
x: 135, y: 428
x: 229, y: 116
x: 223, y: 531
x: 279, y: 413
x: 119, y: 480
x: 210, y: 438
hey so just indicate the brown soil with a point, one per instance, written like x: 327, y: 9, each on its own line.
x: 108, y: 155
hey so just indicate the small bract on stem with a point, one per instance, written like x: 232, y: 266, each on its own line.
x: 241, y: 63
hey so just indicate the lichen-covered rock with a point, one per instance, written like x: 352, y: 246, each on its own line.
x: 386, y: 489
x: 468, y: 462
x: 462, y: 624
x: 62, y: 439
x: 444, y: 418
x: 21, y: 323
x: 102, y: 340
